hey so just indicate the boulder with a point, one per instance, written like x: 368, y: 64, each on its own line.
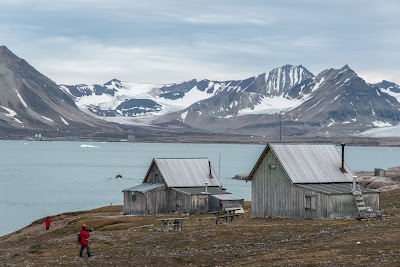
x: 242, y: 176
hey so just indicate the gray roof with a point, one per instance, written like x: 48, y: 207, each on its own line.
x: 335, y: 188
x: 145, y: 187
x: 226, y: 197
x: 201, y: 190
x: 309, y: 163
x: 185, y: 172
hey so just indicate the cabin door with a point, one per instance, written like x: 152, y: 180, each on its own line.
x: 179, y: 202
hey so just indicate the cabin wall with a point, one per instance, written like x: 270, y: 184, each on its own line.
x: 186, y: 203
x: 136, y: 207
x: 372, y: 200
x: 156, y: 202
x: 154, y: 175
x: 148, y: 203
x: 195, y: 204
x: 199, y: 204
x: 272, y: 192
x: 171, y: 200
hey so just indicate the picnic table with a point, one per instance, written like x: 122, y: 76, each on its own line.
x: 172, y: 224
x: 226, y: 213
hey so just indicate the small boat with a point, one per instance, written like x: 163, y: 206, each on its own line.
x: 119, y: 176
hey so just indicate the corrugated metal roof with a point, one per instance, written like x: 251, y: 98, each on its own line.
x: 226, y: 197
x: 308, y: 163
x: 186, y: 172
x: 335, y: 188
x: 145, y: 187
x: 201, y: 190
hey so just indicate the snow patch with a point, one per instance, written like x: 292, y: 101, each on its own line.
x: 393, y: 131
x: 47, y: 118
x: 11, y: 114
x: 89, y: 146
x: 64, y: 121
x: 318, y: 84
x: 381, y: 124
x: 332, y: 123
x: 271, y: 105
x: 391, y: 93
x: 313, y: 105
x: 21, y: 99
x: 183, y: 115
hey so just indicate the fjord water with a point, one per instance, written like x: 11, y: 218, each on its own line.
x: 39, y: 179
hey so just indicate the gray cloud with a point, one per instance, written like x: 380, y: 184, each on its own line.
x: 162, y: 42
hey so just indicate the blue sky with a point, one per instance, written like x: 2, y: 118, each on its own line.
x: 166, y: 41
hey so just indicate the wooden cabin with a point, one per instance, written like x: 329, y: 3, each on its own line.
x: 174, y: 185
x: 307, y: 181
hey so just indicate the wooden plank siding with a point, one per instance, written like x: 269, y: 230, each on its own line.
x: 147, y: 203
x: 272, y: 191
x: 154, y: 175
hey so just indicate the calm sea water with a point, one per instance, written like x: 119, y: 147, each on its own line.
x: 38, y: 179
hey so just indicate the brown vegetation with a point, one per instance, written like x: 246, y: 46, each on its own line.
x: 139, y: 241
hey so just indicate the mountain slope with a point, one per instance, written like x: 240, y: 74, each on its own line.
x: 31, y: 101
x: 336, y: 101
x: 342, y: 99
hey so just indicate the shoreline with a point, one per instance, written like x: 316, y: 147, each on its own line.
x: 249, y: 140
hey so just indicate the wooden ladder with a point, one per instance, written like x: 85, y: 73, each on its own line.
x: 359, y: 198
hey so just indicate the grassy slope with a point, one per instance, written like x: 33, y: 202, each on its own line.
x: 139, y: 241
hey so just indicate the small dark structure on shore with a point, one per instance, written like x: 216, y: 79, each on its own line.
x: 182, y: 185
x: 307, y: 181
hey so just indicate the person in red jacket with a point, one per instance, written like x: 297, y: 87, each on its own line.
x: 48, y: 222
x: 84, y: 239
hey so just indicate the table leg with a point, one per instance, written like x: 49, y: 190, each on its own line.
x: 166, y: 226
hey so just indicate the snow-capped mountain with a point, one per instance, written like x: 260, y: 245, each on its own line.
x: 30, y: 101
x: 336, y: 101
x: 342, y: 99
x: 115, y: 97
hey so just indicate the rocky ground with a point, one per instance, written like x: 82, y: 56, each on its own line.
x: 386, y: 179
x: 139, y: 241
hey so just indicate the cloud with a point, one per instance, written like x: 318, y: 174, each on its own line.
x: 232, y: 19
x: 156, y: 41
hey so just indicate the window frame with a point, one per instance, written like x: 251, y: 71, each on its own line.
x: 310, y: 202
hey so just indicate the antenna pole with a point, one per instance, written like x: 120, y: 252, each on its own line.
x: 219, y: 167
x: 280, y: 127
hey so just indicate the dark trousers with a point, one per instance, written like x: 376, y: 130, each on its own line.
x: 87, y: 250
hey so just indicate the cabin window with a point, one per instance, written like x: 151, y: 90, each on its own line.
x: 272, y: 166
x: 310, y: 202
x: 133, y: 198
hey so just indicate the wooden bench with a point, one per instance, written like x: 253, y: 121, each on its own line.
x: 224, y: 214
x: 172, y: 224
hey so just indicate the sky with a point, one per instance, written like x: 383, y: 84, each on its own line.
x: 168, y: 41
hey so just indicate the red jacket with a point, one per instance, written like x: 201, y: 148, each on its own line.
x: 84, y: 237
x: 48, y: 222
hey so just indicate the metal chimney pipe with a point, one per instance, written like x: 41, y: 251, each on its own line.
x: 342, y: 168
x: 206, y: 187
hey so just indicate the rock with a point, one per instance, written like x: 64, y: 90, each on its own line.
x: 394, y: 169
x: 242, y: 176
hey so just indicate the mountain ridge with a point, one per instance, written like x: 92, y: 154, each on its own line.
x: 292, y: 90
x: 291, y: 98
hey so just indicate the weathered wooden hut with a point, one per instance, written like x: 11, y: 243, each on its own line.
x: 181, y: 185
x: 307, y: 181
x: 221, y: 202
